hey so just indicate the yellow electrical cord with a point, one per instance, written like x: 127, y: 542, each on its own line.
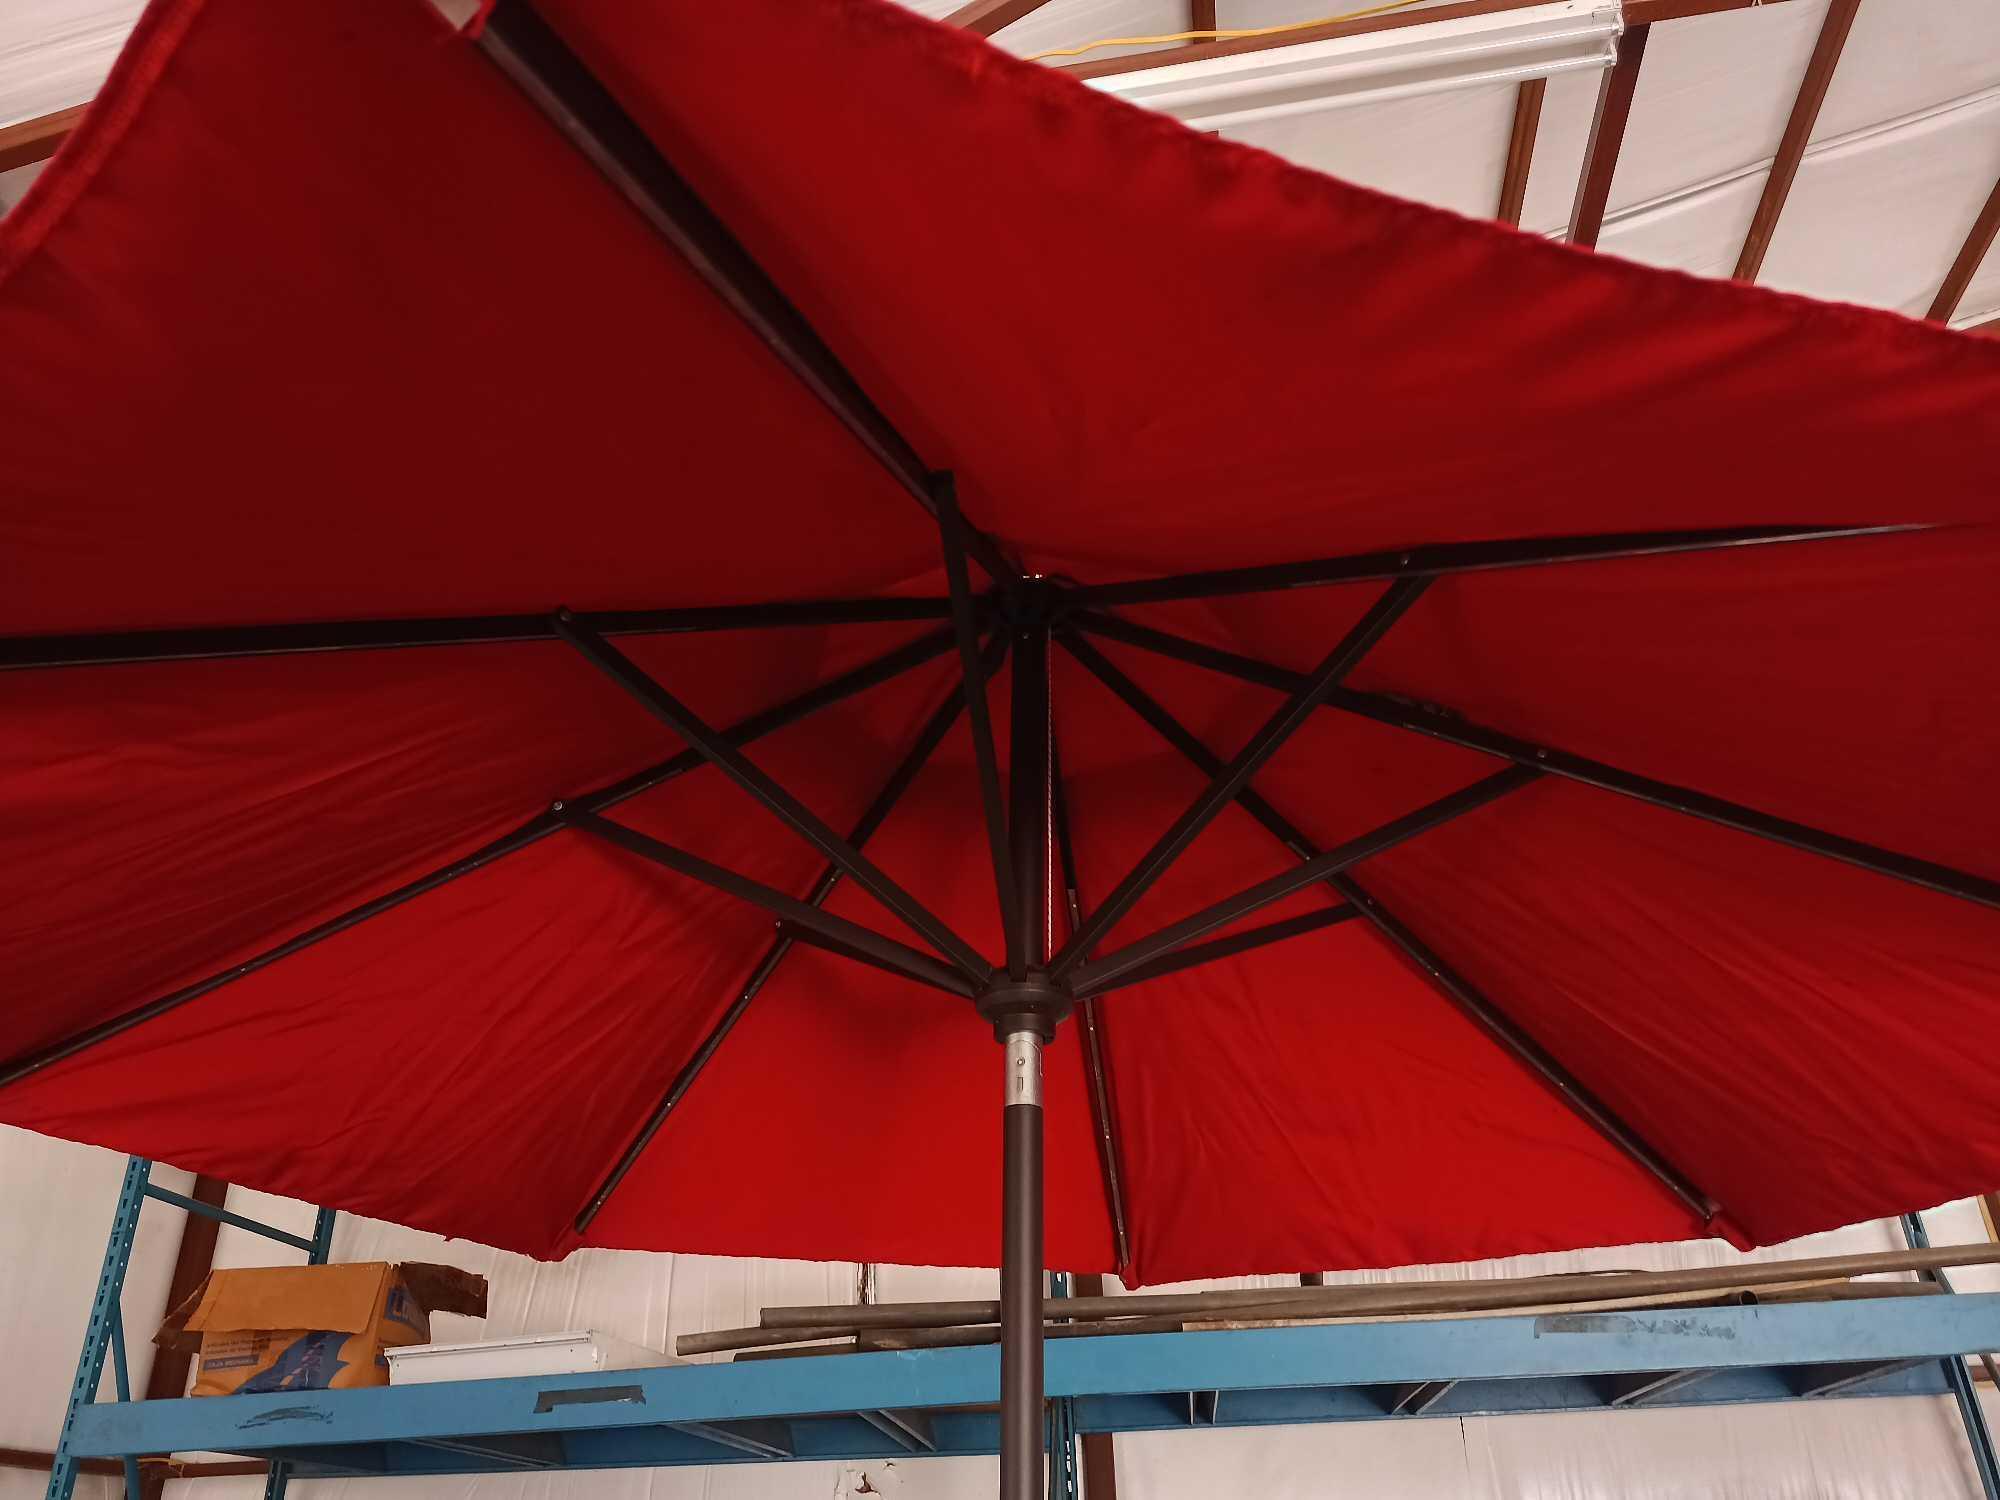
x: 1222, y: 36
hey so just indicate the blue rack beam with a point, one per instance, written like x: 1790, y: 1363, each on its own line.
x: 830, y: 1407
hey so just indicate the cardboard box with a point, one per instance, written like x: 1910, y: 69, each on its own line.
x: 313, y: 1328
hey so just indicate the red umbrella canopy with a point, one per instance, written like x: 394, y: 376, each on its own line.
x: 322, y: 340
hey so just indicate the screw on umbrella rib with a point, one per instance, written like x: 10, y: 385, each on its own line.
x: 1261, y: 746
x: 1096, y: 1065
x: 716, y: 749
x: 850, y: 937
x: 864, y: 829
x: 964, y: 614
x: 206, y: 642
x: 1440, y: 558
x: 869, y: 674
x: 1092, y: 977
x: 1502, y: 1028
x: 556, y: 81
x: 1448, y: 726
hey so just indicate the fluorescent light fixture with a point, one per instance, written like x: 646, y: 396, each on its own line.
x: 1533, y: 42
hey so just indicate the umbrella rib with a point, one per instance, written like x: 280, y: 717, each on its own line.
x: 1216, y: 949
x: 847, y: 937
x: 864, y: 829
x: 1092, y: 977
x: 1096, y: 1065
x: 884, y: 668
x: 951, y: 530
x: 1438, y: 559
x: 1501, y: 1028
x: 716, y: 749
x: 1234, y: 777
x: 529, y: 52
x: 203, y: 643
x: 1446, y: 725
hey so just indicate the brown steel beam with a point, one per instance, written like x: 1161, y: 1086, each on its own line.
x: 1970, y: 254
x: 34, y: 1460
x: 1607, y: 135
x: 30, y: 141
x: 987, y: 16
x: 1201, y: 15
x: 1798, y: 133
x: 1235, y: 46
x: 1521, y: 149
x: 192, y: 1263
x: 194, y: 1260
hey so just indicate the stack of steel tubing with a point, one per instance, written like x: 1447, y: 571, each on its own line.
x: 841, y: 1328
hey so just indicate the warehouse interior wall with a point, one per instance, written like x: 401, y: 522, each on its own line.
x: 59, y: 1200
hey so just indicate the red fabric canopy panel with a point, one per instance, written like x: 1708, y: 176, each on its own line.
x: 318, y: 318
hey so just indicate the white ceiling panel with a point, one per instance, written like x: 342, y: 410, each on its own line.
x: 55, y: 53
x: 1699, y: 232
x: 1567, y: 109
x: 1445, y: 149
x: 1906, y: 56
x: 1714, y: 94
x: 1926, y: 180
x: 1072, y: 23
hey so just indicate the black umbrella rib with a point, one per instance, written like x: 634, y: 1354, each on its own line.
x: 864, y: 829
x: 1233, y: 778
x: 1443, y: 724
x: 1504, y: 1031
x: 1196, y: 954
x: 1439, y: 558
x: 1101, y: 973
x: 870, y: 674
x: 1516, y: 1041
x: 202, y: 643
x: 964, y: 617
x: 1096, y: 1064
x: 718, y: 751
x: 524, y: 47
x: 845, y: 936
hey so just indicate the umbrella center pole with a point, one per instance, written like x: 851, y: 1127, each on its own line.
x: 1021, y: 1404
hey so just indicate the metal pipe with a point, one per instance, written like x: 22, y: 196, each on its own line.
x: 869, y: 674
x: 1977, y: 1435
x: 1397, y: 1297
x: 557, y: 82
x: 716, y: 747
x: 877, y: 813
x: 1020, y: 1309
x: 1100, y: 973
x: 1231, y: 779
x: 1028, y: 797
x: 768, y: 1342
x: 204, y: 643
x: 1437, y: 559
x: 1447, y: 725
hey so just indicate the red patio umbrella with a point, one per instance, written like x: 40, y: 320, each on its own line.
x: 1476, y: 748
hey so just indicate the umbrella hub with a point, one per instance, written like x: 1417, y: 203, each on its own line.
x: 1033, y: 1003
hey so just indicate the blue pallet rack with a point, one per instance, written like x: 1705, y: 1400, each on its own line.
x: 903, y: 1404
